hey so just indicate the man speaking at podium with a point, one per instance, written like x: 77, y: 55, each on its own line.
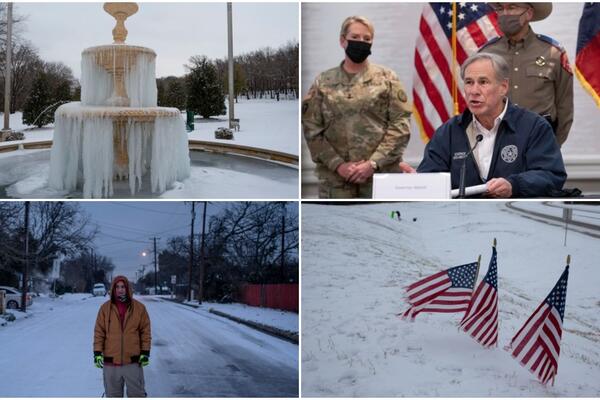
x: 509, y: 149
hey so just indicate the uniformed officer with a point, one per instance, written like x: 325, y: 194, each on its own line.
x: 541, y: 79
x: 355, y: 118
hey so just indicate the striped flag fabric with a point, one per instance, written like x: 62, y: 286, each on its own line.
x: 587, y: 59
x: 476, y: 24
x: 537, y: 344
x: 447, y: 291
x: 481, y: 319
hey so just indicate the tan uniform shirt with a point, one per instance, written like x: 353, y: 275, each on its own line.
x: 356, y: 117
x: 540, y: 78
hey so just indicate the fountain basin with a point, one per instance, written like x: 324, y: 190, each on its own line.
x: 95, y: 144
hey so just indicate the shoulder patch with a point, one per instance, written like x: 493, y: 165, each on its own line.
x: 402, y: 96
x: 491, y: 41
x: 564, y: 62
x: 551, y: 41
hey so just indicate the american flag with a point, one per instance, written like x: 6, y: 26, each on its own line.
x: 448, y: 291
x: 476, y: 24
x: 537, y: 344
x: 481, y: 319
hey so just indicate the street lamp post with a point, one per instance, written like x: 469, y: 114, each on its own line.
x: 7, y: 71
x: 230, y: 63
x: 26, y: 266
x: 202, y: 257
x: 155, y: 269
x: 191, y: 261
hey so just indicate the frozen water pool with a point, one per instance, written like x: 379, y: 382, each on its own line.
x: 24, y: 174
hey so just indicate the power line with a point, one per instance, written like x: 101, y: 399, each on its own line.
x: 143, y: 236
x: 110, y: 226
x: 148, y: 209
x: 121, y: 238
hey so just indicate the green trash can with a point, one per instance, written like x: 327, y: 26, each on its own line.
x: 189, y: 123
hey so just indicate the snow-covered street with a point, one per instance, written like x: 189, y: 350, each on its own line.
x: 356, y: 262
x: 194, y: 353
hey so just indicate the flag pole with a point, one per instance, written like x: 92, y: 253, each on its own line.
x: 494, y: 246
x: 569, y: 259
x: 454, y: 77
x: 478, y: 265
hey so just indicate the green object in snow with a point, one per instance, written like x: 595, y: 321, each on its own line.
x: 189, y: 122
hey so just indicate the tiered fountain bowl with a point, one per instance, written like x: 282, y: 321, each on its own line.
x: 117, y: 131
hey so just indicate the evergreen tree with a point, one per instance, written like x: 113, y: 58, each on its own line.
x: 62, y: 92
x: 76, y: 93
x: 176, y: 96
x: 39, y: 98
x: 161, y: 92
x: 205, y: 93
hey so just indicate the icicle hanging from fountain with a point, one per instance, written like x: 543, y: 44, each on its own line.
x: 117, y: 131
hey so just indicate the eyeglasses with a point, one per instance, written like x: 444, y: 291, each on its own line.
x: 511, y: 9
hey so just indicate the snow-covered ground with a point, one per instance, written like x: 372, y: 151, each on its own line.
x: 264, y: 123
x: 194, y: 353
x: 285, y: 320
x: 356, y: 262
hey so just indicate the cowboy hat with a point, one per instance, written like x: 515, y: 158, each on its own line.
x: 540, y: 10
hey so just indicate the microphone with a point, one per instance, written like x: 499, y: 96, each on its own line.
x: 461, y: 186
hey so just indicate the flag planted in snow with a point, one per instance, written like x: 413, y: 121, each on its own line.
x: 481, y: 319
x: 447, y: 291
x: 537, y: 344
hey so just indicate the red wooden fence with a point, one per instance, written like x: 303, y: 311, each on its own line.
x: 280, y: 296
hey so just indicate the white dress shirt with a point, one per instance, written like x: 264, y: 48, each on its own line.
x: 485, y: 149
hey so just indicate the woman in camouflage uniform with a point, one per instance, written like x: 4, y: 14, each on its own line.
x: 355, y: 118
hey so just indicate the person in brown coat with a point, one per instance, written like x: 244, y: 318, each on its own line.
x: 122, y: 341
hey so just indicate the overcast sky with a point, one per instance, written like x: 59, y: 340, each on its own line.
x: 127, y: 228
x: 175, y: 31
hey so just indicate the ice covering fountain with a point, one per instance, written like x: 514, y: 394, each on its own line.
x: 117, y: 131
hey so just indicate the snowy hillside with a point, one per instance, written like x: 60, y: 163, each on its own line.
x: 356, y: 261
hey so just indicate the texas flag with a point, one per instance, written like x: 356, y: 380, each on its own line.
x: 587, y: 61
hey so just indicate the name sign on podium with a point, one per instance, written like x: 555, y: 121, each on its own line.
x: 412, y: 186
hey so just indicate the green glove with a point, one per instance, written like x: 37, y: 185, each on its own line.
x: 99, y: 360
x: 144, y: 360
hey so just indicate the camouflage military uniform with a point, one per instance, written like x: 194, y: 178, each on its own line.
x: 540, y: 78
x: 352, y: 118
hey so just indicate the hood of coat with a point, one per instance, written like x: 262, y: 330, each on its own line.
x: 113, y: 287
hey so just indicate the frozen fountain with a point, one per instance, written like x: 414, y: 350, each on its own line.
x: 117, y: 131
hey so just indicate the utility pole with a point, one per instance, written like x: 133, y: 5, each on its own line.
x: 155, y: 269
x: 93, y: 262
x: 230, y: 55
x: 191, y: 262
x: 7, y: 70
x: 25, y: 268
x: 202, y: 258
x: 283, y: 241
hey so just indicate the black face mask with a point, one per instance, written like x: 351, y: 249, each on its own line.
x: 358, y: 51
x: 123, y: 298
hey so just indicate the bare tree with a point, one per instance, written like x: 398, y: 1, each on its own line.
x: 266, y: 72
x: 55, y: 228
x: 248, y: 235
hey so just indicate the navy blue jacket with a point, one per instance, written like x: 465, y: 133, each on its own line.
x: 525, y: 153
